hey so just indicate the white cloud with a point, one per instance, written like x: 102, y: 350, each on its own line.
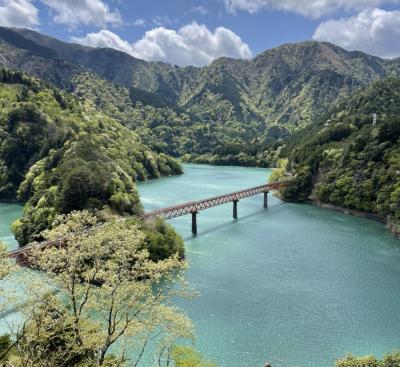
x: 161, y: 21
x: 139, y: 22
x: 199, y: 9
x: 18, y: 13
x: 373, y: 31
x: 82, y: 12
x: 105, y: 38
x: 192, y: 44
x: 309, y: 8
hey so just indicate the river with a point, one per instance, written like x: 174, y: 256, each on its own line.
x: 293, y: 284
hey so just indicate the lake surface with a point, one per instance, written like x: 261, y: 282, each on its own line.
x: 293, y: 284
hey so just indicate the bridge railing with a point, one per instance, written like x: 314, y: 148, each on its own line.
x: 21, y: 255
x: 196, y: 206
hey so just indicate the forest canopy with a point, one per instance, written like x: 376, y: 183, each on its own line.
x: 59, y: 154
x: 349, y: 158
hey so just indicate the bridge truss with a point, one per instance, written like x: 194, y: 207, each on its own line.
x: 22, y: 255
x: 196, y: 206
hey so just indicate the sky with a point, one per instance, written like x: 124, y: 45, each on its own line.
x: 195, y: 32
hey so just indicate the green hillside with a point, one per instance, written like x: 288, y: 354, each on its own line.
x: 58, y: 154
x: 346, y: 160
x: 229, y: 112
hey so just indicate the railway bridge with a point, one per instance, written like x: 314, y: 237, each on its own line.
x: 192, y: 208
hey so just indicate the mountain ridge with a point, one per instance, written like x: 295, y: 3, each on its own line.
x: 221, y: 107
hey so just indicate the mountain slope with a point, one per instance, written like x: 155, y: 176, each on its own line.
x: 349, y: 161
x: 58, y: 154
x: 214, y: 113
x: 289, y: 84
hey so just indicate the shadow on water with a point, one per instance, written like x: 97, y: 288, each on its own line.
x: 276, y: 207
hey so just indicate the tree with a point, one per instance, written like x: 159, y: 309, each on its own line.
x: 6, y: 268
x: 389, y: 360
x: 101, y: 300
x: 185, y: 356
x: 6, y: 265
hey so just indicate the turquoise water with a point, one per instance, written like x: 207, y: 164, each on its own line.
x: 8, y: 214
x: 293, y: 284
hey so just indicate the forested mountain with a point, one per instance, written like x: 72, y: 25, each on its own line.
x: 59, y: 154
x: 231, y: 111
x: 347, y: 158
x: 244, y: 111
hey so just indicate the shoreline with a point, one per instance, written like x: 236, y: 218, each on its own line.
x: 11, y: 201
x: 392, y: 225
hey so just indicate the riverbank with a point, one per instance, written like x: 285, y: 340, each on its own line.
x: 11, y: 201
x: 391, y: 224
x: 238, y: 160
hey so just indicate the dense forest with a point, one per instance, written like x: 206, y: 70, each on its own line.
x: 229, y: 112
x: 351, y: 157
x: 58, y: 154
x: 174, y: 131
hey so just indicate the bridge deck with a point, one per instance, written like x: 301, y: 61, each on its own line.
x: 192, y: 207
x: 196, y: 206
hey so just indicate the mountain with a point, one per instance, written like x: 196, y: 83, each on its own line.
x: 351, y: 158
x: 59, y: 154
x: 231, y: 111
x: 247, y: 112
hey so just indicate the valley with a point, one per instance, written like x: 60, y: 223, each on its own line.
x: 91, y: 138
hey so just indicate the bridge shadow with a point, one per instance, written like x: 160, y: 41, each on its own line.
x: 273, y: 210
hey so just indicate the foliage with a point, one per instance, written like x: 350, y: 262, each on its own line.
x: 350, y: 361
x: 58, y: 154
x: 347, y: 161
x: 171, y: 130
x: 6, y: 268
x: 161, y: 240
x: 280, y: 171
x: 5, y: 346
x: 228, y: 112
x: 6, y: 265
x: 389, y: 360
x: 184, y: 356
x: 112, y: 301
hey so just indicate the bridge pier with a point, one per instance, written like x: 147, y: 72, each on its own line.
x: 194, y: 222
x: 235, y: 215
x: 266, y: 199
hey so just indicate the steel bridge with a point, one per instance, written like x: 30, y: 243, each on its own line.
x: 21, y: 255
x: 193, y: 207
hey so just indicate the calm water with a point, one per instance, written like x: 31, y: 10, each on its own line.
x: 8, y: 214
x: 294, y: 284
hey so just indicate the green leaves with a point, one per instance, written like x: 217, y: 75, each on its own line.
x: 389, y: 360
x: 61, y: 155
x: 184, y: 356
x: 101, y: 300
x: 353, y: 163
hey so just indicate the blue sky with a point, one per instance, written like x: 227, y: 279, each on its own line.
x: 260, y: 31
x: 195, y: 32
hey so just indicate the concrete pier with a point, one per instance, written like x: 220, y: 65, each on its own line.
x: 194, y: 222
x: 235, y: 215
